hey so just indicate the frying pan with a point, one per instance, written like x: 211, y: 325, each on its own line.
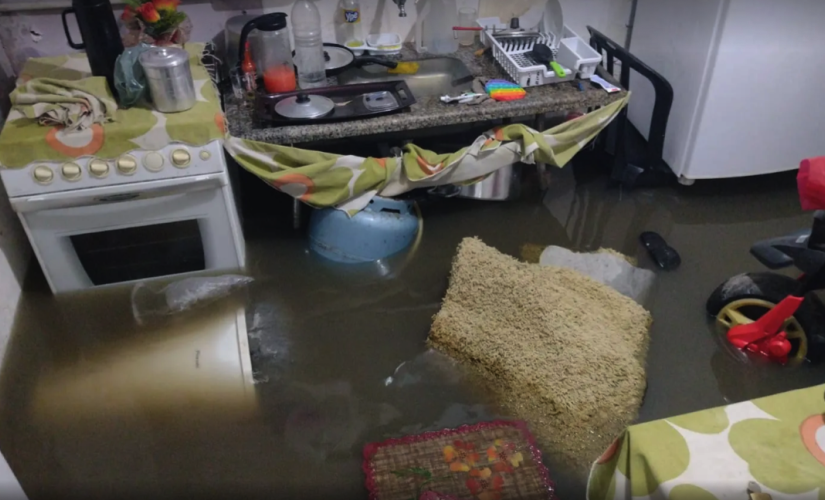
x: 338, y: 58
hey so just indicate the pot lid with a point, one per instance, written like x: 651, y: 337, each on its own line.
x: 305, y: 106
x: 163, y: 57
x: 336, y: 56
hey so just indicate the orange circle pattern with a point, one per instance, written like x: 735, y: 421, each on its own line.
x: 98, y: 137
x: 220, y: 121
x: 610, y: 452
x: 295, y: 179
x: 808, y: 431
x: 427, y: 168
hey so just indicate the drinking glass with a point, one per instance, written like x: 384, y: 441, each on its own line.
x: 467, y: 17
x: 236, y: 77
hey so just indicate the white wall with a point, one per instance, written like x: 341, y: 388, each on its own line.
x: 608, y: 16
x: 378, y: 16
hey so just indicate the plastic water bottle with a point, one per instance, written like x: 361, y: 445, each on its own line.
x: 353, y: 30
x: 309, y: 47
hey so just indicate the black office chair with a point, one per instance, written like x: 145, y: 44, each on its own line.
x: 634, y: 161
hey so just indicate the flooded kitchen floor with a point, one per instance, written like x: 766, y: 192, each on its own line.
x: 96, y: 405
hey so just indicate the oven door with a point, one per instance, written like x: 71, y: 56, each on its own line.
x: 122, y: 234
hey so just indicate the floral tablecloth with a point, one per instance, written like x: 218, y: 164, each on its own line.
x: 775, y: 445
x: 23, y: 141
x: 350, y: 182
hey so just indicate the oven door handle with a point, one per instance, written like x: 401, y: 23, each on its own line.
x: 118, y: 194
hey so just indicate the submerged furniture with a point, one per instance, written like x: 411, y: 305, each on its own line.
x: 385, y: 227
x: 633, y: 160
x: 748, y: 447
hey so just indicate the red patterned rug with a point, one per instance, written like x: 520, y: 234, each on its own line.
x: 488, y: 461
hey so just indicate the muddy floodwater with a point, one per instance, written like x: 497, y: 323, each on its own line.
x: 97, y: 405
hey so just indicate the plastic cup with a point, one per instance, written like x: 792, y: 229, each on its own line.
x: 467, y: 17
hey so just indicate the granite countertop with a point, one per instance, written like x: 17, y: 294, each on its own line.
x: 428, y: 111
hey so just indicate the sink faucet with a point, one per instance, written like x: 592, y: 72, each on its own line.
x: 402, y: 9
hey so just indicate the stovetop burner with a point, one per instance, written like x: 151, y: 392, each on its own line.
x: 348, y: 102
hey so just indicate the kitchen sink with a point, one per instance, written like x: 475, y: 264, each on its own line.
x: 435, y: 77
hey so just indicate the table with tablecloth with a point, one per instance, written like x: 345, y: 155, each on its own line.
x: 774, y: 444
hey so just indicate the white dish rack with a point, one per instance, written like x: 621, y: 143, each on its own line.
x: 575, y: 56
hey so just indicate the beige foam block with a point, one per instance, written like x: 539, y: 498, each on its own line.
x: 552, y: 346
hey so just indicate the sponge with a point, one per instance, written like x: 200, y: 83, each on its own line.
x: 502, y: 90
x: 404, y: 68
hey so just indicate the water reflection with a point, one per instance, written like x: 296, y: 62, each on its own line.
x: 330, y: 421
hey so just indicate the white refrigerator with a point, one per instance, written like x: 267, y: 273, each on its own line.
x: 748, y: 79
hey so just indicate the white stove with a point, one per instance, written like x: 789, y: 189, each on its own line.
x: 146, y: 214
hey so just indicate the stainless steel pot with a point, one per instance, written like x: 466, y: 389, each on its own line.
x: 503, y: 184
x: 170, y: 78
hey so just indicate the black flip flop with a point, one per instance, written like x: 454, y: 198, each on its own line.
x: 664, y: 255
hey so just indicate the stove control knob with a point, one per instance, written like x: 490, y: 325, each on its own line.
x: 181, y: 158
x: 98, y: 168
x: 153, y: 162
x: 71, y: 171
x: 43, y: 174
x: 127, y: 165
x: 205, y: 155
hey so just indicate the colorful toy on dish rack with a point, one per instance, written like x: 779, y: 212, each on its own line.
x: 775, y: 315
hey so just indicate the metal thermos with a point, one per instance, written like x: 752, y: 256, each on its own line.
x: 101, y: 36
x: 170, y: 78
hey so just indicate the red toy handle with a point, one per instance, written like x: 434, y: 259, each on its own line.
x: 467, y: 28
x: 765, y: 335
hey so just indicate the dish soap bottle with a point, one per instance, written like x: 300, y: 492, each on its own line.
x: 309, y: 47
x: 353, y: 30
